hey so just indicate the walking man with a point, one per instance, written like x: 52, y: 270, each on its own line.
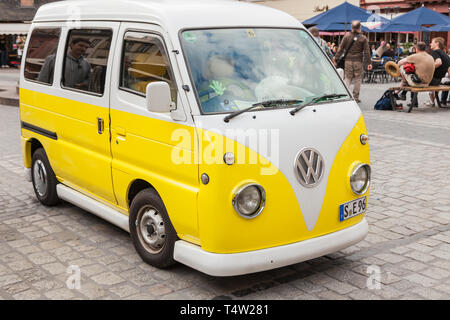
x: 355, y: 48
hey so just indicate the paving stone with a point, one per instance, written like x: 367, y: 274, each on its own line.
x: 107, y: 278
x: 60, y: 294
x: 422, y: 280
x: 419, y: 256
x: 124, y: 290
x: 55, y: 268
x: 41, y: 258
x: 28, y: 295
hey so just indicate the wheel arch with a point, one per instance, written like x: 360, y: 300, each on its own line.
x: 31, y: 146
x: 137, y: 186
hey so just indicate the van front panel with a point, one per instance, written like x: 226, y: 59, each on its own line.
x: 292, y: 212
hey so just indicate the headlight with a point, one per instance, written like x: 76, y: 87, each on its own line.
x: 250, y: 200
x: 360, y: 179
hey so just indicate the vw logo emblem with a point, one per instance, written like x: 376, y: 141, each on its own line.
x: 309, y: 167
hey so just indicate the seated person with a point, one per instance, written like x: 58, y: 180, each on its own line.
x: 381, y: 49
x: 389, y: 52
x: 221, y: 88
x: 441, y: 64
x: 424, y: 69
x: 446, y: 82
x: 398, y: 50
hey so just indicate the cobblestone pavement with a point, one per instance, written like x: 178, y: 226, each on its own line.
x: 406, y: 254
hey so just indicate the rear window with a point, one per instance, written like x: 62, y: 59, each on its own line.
x: 41, y: 55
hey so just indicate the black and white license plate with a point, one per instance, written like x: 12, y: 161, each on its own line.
x: 353, y: 208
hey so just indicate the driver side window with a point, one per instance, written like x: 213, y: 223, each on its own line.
x: 144, y: 61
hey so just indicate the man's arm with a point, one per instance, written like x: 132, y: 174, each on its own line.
x: 342, y: 47
x: 367, y: 55
x: 438, y: 63
x: 402, y: 62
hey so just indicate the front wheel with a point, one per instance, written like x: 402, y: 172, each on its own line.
x: 151, y: 230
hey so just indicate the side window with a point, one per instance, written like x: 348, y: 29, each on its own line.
x: 145, y: 60
x: 86, y: 60
x: 41, y: 55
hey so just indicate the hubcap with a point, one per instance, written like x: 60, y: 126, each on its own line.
x: 40, y: 178
x: 151, y: 229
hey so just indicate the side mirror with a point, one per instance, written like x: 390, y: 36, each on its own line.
x: 340, y: 71
x: 158, y: 97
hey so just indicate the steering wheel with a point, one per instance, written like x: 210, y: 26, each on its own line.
x: 220, y: 95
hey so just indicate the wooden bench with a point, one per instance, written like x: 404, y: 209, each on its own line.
x: 415, y: 92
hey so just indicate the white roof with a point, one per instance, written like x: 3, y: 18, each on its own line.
x: 174, y: 14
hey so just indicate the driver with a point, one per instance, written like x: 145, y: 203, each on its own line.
x: 220, y: 90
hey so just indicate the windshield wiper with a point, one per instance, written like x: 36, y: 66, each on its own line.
x: 326, y: 96
x: 265, y: 104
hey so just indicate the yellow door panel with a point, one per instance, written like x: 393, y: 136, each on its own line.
x: 150, y: 150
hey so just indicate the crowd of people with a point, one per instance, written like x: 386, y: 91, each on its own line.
x: 10, y: 48
x: 421, y: 65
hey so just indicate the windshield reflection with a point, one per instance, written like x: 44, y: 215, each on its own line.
x: 234, y: 68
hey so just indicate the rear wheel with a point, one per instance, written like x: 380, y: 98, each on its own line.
x: 151, y: 230
x: 44, y: 179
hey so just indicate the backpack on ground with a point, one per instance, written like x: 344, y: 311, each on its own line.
x: 384, y: 103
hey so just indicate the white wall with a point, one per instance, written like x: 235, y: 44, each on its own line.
x: 303, y: 9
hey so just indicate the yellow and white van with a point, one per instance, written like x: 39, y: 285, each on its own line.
x: 217, y: 133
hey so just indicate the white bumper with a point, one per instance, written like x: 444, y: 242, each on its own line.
x: 234, y: 264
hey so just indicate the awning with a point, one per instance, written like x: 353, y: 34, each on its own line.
x: 14, y: 28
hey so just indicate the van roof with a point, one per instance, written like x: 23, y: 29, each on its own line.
x: 178, y: 14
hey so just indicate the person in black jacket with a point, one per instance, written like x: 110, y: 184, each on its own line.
x: 3, y: 53
x: 441, y: 63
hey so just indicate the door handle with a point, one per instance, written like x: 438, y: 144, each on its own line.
x: 100, y: 125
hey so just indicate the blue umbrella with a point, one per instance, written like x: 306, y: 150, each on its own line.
x: 421, y: 16
x: 394, y: 27
x: 440, y: 28
x: 337, y: 27
x: 344, y: 13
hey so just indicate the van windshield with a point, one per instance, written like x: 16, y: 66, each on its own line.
x: 235, y: 68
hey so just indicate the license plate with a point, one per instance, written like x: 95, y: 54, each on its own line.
x: 353, y: 208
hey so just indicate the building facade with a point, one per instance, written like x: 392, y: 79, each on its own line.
x: 392, y: 8
x: 302, y: 9
x: 15, y: 18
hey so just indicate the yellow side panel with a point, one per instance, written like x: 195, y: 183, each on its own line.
x: 80, y: 155
x: 222, y: 230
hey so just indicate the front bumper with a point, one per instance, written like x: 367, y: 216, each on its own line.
x: 234, y: 264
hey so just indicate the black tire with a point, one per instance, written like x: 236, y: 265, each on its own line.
x: 44, y: 179
x: 152, y: 232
